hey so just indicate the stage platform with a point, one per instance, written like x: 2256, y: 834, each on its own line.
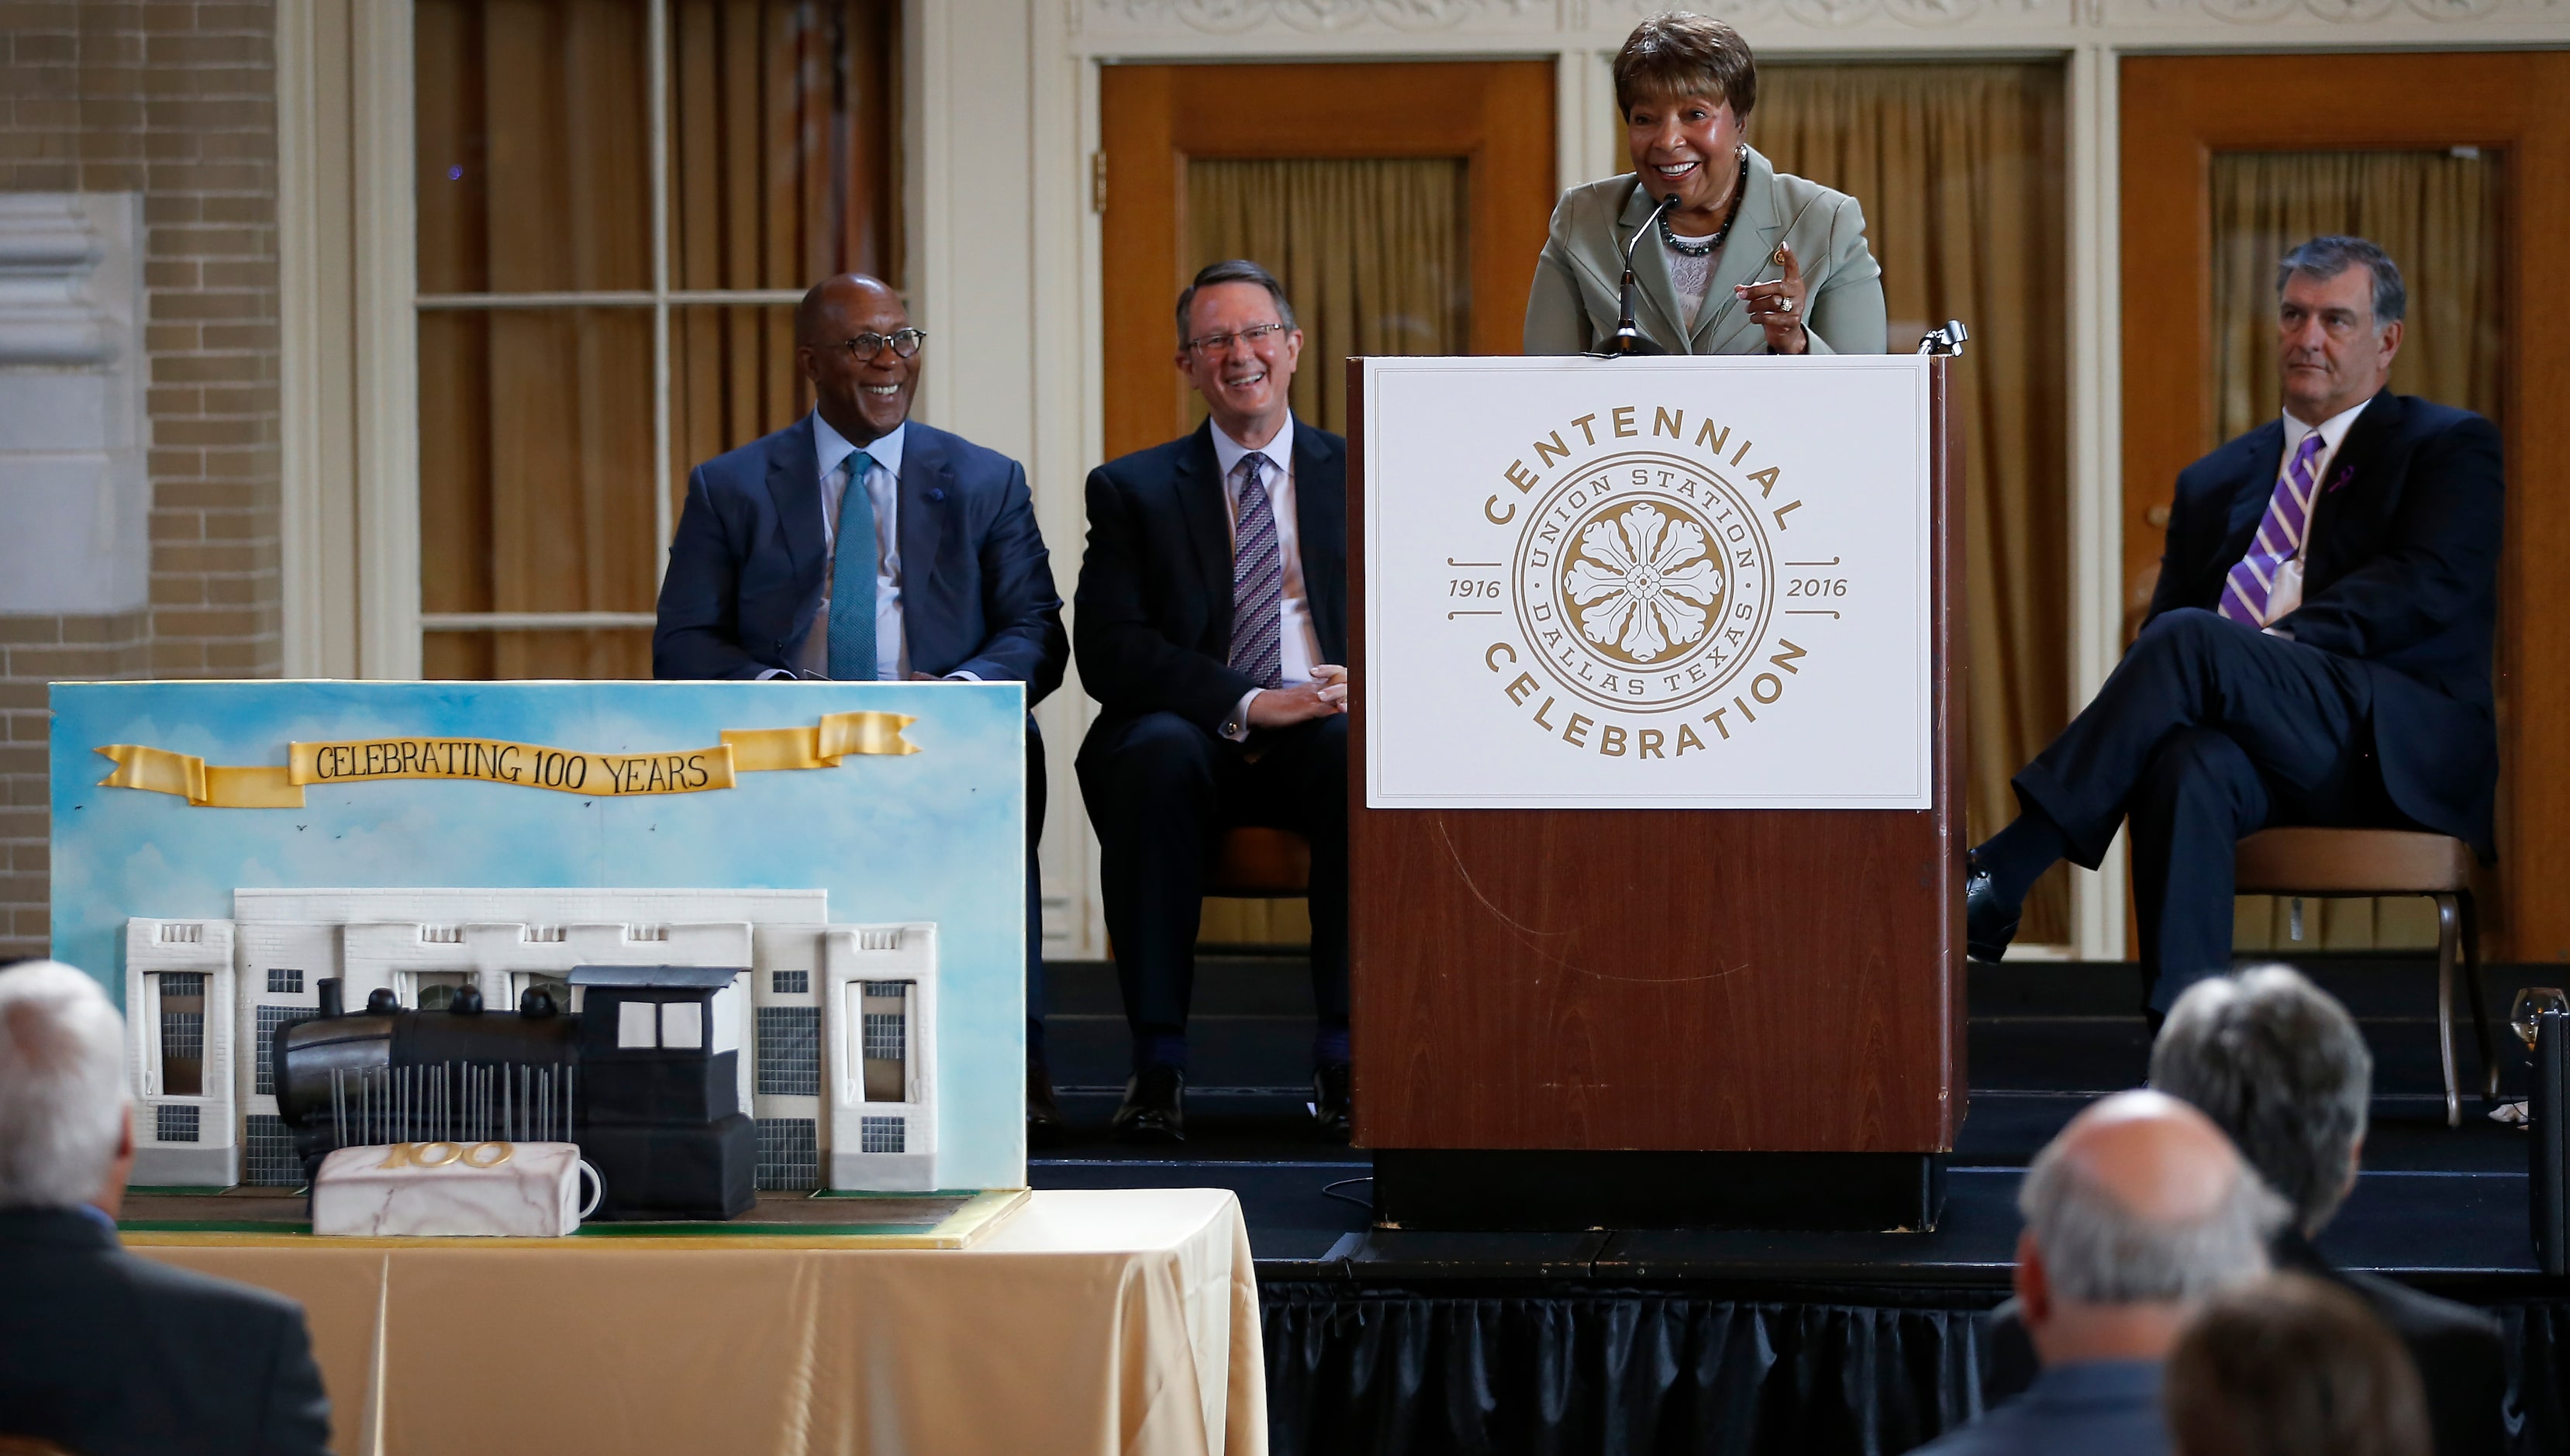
x: 1640, y: 1340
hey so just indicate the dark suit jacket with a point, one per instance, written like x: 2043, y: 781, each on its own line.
x: 745, y: 572
x: 103, y: 1352
x: 1153, y: 618
x: 2461, y: 1363
x: 2401, y: 575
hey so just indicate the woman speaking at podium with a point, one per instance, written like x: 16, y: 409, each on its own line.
x: 1738, y: 259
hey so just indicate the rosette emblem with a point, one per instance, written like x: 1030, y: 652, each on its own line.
x: 1642, y: 581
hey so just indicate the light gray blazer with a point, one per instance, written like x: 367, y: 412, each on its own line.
x: 1574, y: 303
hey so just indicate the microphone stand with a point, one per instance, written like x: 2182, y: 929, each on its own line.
x: 1628, y: 341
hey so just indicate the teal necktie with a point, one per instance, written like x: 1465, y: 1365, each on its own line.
x: 852, y: 579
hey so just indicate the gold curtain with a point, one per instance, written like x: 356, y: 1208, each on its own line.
x: 537, y: 424
x: 2438, y: 214
x: 1962, y: 175
x: 1374, y: 253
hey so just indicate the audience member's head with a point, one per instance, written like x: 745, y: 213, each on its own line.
x: 2137, y: 1212
x: 2290, y: 1365
x: 2279, y: 1067
x: 65, y: 1135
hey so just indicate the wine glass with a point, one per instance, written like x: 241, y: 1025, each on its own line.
x: 2531, y: 1003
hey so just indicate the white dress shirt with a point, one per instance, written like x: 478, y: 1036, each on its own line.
x: 883, y: 488
x: 2288, y: 593
x: 1302, y: 644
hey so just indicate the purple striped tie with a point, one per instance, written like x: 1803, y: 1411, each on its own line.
x: 2279, y: 540
x: 1257, y: 578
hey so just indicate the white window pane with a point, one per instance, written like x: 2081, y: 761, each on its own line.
x: 637, y: 1024
x: 682, y: 1026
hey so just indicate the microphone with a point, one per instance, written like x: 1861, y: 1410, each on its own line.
x: 1628, y: 341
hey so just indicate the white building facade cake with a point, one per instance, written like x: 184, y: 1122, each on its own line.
x: 835, y: 1024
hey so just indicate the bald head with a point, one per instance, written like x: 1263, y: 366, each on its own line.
x: 2141, y: 1199
x: 2155, y: 1157
x: 829, y: 305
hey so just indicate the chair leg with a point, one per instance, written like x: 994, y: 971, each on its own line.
x: 2448, y: 930
x: 2480, y: 1007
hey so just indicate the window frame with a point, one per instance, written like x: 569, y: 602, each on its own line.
x: 660, y: 297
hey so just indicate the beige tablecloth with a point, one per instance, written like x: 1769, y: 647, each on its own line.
x: 1101, y: 1321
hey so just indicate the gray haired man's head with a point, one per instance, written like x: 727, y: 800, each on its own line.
x: 2325, y: 256
x: 2142, y: 1200
x: 62, y: 1087
x: 2279, y: 1065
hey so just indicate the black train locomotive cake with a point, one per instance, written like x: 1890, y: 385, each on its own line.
x: 646, y: 1078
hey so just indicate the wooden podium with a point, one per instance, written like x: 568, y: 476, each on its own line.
x: 1623, y: 1012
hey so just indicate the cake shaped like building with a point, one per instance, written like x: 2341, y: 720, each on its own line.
x: 833, y: 1026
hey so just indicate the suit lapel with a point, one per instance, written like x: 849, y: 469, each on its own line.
x: 1208, y: 520
x: 2356, y: 476
x: 1321, y: 535
x: 925, y: 489
x: 794, y: 490
x: 2249, y: 499
x: 1754, y: 234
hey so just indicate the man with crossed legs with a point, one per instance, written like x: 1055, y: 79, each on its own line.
x: 2318, y: 649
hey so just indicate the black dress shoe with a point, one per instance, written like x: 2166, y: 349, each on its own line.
x: 1988, y: 924
x: 1154, y: 1109
x: 1044, y: 1126
x: 1331, y: 1109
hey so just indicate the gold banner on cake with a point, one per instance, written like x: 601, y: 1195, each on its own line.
x: 497, y: 760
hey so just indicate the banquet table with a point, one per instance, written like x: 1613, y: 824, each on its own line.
x: 1110, y: 1321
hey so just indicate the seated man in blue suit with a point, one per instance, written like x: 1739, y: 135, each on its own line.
x: 2318, y: 651
x: 949, y: 577
x: 1214, y: 612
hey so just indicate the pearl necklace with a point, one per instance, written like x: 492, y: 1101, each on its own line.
x: 1738, y: 185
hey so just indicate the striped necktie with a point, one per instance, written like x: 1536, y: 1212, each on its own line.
x: 852, y: 579
x: 1257, y: 578
x: 2252, y: 583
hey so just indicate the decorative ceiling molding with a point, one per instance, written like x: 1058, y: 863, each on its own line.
x: 1249, y: 28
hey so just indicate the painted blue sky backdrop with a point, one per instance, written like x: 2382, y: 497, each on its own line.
x: 934, y: 836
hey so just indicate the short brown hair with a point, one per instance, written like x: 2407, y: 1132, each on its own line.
x: 2289, y: 1366
x: 1676, y: 54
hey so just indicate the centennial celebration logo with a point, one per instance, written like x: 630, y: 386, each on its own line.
x: 1637, y: 559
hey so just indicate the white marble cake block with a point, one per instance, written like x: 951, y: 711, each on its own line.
x: 449, y: 1190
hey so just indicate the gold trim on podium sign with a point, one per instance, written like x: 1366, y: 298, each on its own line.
x: 495, y: 760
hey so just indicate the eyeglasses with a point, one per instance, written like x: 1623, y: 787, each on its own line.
x: 866, y: 346
x: 1220, y: 344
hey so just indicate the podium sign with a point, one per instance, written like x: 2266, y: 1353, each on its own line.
x: 1668, y: 583
x: 1655, y: 854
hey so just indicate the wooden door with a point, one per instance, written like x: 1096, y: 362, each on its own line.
x: 1496, y: 116
x: 2178, y: 114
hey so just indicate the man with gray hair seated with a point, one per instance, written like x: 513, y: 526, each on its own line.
x: 2134, y: 1215
x: 2281, y: 1067
x: 102, y: 1351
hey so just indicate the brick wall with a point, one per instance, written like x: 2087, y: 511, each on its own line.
x: 176, y: 101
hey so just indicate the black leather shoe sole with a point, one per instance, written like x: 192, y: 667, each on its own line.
x: 1330, y: 1102
x: 1154, y: 1109
x: 1986, y: 936
x: 1148, y: 1127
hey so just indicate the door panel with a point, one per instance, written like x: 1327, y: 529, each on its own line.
x: 1496, y: 116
